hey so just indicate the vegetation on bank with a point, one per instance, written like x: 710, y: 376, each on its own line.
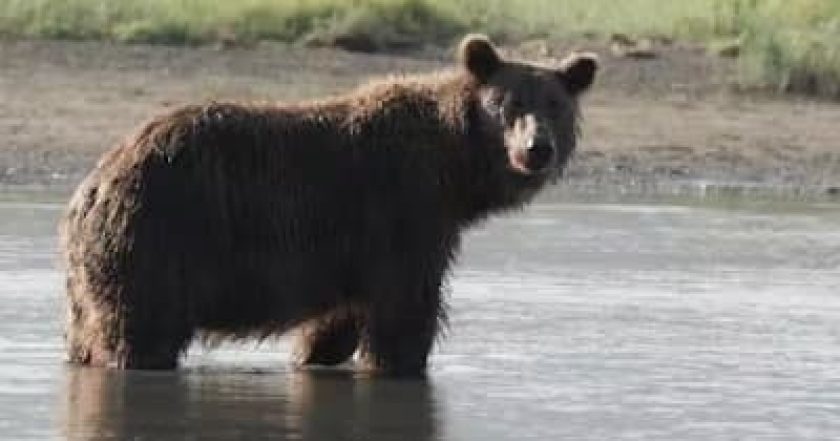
x: 791, y: 45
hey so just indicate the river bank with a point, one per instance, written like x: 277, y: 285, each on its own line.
x: 669, y: 123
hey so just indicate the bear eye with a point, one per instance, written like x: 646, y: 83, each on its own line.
x: 497, y: 100
x: 553, y: 104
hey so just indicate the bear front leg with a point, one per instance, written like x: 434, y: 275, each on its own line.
x: 328, y: 340
x: 398, y: 336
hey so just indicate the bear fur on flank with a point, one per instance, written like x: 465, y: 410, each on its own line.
x: 339, y: 218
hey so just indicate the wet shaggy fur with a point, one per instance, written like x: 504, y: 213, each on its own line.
x: 340, y: 218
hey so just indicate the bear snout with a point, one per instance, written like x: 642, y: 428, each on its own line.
x: 540, y: 155
x: 537, y: 158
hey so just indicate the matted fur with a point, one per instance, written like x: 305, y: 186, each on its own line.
x: 340, y: 216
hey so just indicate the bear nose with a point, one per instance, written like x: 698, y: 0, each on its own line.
x: 540, y: 154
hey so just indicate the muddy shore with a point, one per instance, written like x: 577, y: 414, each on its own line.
x: 667, y: 124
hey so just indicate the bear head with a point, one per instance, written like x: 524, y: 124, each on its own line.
x: 528, y: 109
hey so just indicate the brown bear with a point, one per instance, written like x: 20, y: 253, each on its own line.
x: 339, y: 217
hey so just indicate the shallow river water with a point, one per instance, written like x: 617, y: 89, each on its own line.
x: 578, y: 321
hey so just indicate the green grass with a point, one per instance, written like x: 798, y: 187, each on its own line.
x: 196, y: 21
x: 793, y: 46
x: 790, y: 45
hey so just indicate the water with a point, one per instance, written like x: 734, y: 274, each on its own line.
x: 569, y: 321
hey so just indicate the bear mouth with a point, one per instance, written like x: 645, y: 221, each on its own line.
x: 531, y: 163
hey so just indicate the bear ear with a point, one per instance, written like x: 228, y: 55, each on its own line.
x: 477, y: 54
x: 577, y: 72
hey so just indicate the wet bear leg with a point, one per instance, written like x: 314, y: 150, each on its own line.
x: 328, y: 340
x: 399, y: 336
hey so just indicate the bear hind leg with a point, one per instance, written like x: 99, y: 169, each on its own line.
x: 102, y: 336
x: 97, y: 346
x: 89, y: 336
x: 154, y: 342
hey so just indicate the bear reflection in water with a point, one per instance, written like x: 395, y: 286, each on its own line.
x: 104, y: 404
